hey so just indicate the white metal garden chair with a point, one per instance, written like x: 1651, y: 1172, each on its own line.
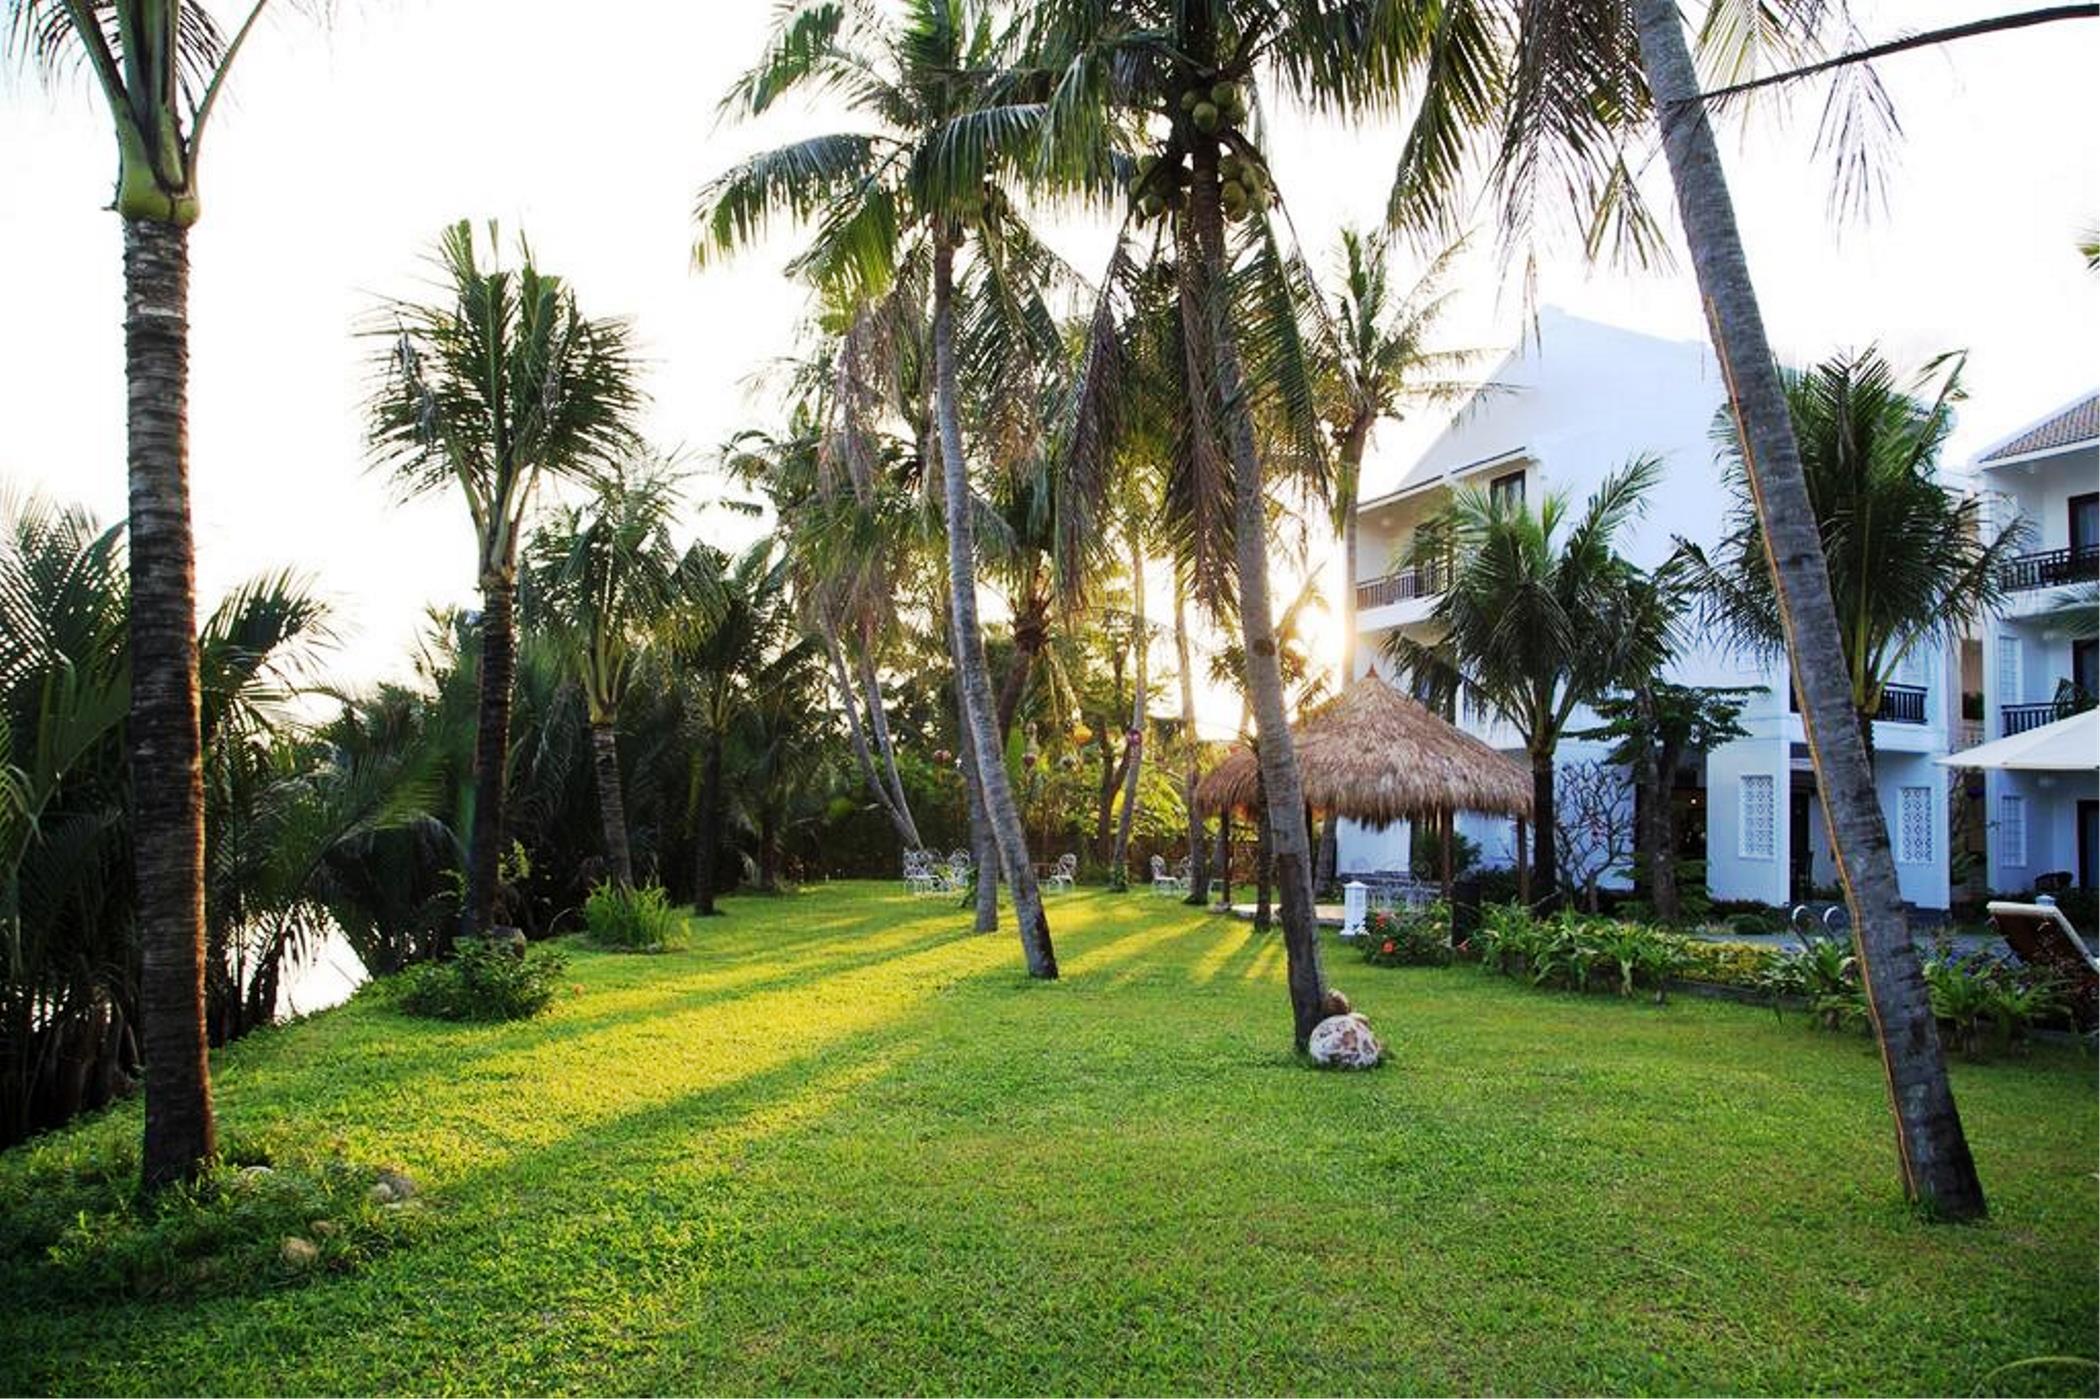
x: 919, y: 876
x: 1166, y: 884
x: 1064, y: 874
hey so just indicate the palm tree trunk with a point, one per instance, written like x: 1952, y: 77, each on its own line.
x: 971, y: 678
x: 612, y: 814
x: 907, y: 831
x: 1648, y: 787
x: 707, y: 852
x: 491, y: 749
x: 167, y: 768
x: 1199, y: 864
x: 1351, y: 477
x: 879, y: 724
x: 768, y: 855
x: 1545, y: 883
x: 984, y: 847
x: 1134, y: 740
x: 1938, y: 1172
x: 1663, y: 873
x: 1290, y: 849
x: 1264, y: 860
x: 1028, y: 643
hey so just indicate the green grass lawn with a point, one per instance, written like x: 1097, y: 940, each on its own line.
x: 842, y: 1144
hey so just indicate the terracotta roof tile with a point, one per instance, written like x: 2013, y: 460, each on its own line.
x: 2078, y: 423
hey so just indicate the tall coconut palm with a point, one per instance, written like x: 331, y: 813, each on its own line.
x: 1564, y: 99
x: 945, y: 136
x: 160, y: 66
x: 1384, y: 365
x: 495, y: 390
x: 600, y: 581
x: 1181, y: 73
x: 1534, y: 621
x: 1911, y: 565
x: 842, y: 549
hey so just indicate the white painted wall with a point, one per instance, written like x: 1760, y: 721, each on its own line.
x: 1575, y: 404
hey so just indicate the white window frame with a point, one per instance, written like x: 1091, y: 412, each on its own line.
x: 1906, y: 852
x: 2012, y: 831
x: 2012, y: 682
x: 1747, y: 785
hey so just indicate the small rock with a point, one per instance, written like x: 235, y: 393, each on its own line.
x: 1345, y: 1042
x: 397, y: 1182
x: 298, y: 1252
x: 323, y: 1227
x: 381, y: 1194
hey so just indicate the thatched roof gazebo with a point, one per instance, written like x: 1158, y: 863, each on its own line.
x: 1374, y: 755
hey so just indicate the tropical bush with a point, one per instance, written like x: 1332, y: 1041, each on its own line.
x: 1415, y: 937
x: 1984, y: 1004
x: 484, y: 980
x: 1727, y: 963
x: 1825, y: 974
x: 1580, y: 951
x: 632, y: 920
x: 74, y: 1226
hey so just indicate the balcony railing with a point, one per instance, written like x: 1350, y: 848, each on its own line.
x: 1900, y: 704
x: 2052, y: 568
x: 2071, y: 698
x: 1422, y: 580
x: 2019, y: 718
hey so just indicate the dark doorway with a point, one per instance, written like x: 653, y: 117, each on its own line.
x: 2088, y: 844
x: 2085, y: 667
x: 1801, y: 866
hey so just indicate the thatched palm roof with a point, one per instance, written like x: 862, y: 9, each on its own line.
x: 1374, y: 755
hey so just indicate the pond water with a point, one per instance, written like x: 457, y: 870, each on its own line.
x: 324, y: 977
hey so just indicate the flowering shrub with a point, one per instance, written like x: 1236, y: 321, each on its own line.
x: 1410, y: 938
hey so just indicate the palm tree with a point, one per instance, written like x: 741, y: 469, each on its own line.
x: 947, y: 134
x: 727, y: 649
x: 277, y: 802
x: 1910, y: 564
x: 1383, y: 366
x: 1134, y: 736
x: 599, y: 583
x: 1179, y: 72
x: 504, y: 385
x: 1564, y: 104
x: 160, y: 66
x: 1533, y: 622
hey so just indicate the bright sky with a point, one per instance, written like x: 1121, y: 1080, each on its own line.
x: 345, y: 150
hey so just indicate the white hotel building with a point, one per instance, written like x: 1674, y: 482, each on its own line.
x: 1574, y: 404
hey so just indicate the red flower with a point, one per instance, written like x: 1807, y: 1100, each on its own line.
x: 1388, y: 947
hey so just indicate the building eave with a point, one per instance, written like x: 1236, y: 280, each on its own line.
x: 1412, y: 489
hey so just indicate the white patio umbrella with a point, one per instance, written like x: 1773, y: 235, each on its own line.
x: 2067, y: 745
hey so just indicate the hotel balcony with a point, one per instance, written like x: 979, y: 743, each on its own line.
x: 1419, y: 581
x: 2051, y: 568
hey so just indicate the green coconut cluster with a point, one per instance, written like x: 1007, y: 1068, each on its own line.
x: 1218, y: 110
